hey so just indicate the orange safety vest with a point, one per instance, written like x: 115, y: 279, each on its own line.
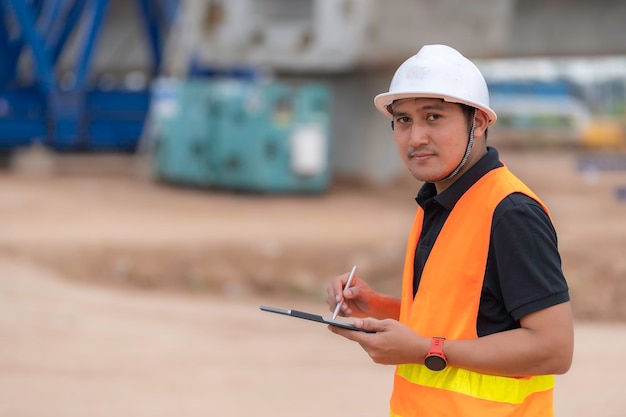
x: 446, y: 305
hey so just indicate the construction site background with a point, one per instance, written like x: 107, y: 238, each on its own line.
x: 125, y: 292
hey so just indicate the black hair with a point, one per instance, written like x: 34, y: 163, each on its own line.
x: 468, y: 112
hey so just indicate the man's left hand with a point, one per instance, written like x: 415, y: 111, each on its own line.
x: 392, y: 344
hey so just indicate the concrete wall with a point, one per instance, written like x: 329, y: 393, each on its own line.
x: 395, y: 28
x: 567, y: 27
x: 363, y: 143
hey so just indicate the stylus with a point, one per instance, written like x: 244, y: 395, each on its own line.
x: 347, y: 286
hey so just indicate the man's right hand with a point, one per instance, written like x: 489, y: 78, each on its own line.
x: 357, y: 299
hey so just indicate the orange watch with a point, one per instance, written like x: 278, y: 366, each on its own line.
x: 435, y: 358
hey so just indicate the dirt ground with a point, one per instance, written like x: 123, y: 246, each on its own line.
x: 123, y: 296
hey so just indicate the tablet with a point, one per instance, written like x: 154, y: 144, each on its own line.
x: 314, y: 317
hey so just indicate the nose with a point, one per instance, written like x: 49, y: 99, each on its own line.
x: 417, y: 136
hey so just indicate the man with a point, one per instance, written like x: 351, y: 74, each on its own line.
x: 484, y: 320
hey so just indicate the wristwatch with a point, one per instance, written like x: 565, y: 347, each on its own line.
x: 435, y: 358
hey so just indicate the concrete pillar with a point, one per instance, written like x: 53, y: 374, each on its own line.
x: 363, y: 143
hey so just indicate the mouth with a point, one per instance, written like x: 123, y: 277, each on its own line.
x: 420, y: 156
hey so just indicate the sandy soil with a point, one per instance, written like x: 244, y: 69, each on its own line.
x: 73, y: 350
x: 121, y: 296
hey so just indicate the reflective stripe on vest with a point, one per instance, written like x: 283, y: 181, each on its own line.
x: 486, y: 387
x: 446, y: 305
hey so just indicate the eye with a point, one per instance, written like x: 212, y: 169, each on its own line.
x: 403, y: 119
x: 431, y: 117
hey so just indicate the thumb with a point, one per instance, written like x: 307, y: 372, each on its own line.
x: 370, y: 324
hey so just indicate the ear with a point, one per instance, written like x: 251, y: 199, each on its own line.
x: 482, y: 122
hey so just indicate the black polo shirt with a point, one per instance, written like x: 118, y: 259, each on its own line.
x: 523, y: 272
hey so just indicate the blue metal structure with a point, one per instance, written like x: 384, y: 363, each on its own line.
x: 80, y: 116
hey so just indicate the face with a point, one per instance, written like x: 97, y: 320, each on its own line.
x: 431, y: 136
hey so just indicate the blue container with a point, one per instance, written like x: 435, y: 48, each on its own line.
x: 22, y: 117
x: 115, y: 119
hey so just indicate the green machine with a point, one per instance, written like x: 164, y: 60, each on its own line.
x: 260, y: 136
x: 181, y: 131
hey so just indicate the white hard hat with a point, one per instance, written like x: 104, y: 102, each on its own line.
x: 438, y: 71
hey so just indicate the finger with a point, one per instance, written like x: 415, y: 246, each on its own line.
x: 345, y: 310
x: 331, y: 294
x: 347, y: 333
x: 370, y: 325
x: 338, y: 284
x: 351, y: 293
x: 337, y: 330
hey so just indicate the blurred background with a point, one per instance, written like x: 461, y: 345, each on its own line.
x: 168, y: 165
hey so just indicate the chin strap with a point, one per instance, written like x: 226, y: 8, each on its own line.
x: 468, y: 150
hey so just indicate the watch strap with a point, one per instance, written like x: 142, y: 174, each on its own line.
x: 435, y: 359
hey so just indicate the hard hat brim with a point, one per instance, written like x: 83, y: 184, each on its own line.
x: 383, y: 100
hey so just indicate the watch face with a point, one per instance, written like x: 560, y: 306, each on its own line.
x: 435, y: 363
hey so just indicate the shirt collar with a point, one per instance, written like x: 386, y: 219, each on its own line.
x: 453, y: 193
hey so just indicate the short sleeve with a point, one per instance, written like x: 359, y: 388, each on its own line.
x: 527, y: 259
